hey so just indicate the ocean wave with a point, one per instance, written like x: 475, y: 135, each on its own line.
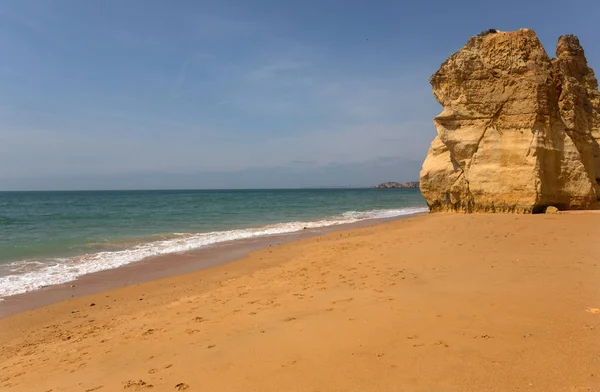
x: 27, y: 275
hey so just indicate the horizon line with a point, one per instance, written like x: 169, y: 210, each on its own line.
x: 199, y: 189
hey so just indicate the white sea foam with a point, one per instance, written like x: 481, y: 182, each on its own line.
x: 27, y: 275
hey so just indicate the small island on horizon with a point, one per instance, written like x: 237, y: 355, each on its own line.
x: 410, y: 184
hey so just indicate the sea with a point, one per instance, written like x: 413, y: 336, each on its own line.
x: 48, y: 238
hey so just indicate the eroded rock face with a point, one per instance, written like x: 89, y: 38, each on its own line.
x: 518, y: 132
x: 579, y: 103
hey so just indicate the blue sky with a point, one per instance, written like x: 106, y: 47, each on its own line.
x: 228, y: 94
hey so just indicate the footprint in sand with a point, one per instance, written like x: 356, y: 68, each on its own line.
x: 181, y: 386
x: 343, y: 300
x: 593, y: 310
x: 137, y: 385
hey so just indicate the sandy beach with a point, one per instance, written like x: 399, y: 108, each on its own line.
x: 441, y: 302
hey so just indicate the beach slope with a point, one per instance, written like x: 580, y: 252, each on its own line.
x: 430, y: 303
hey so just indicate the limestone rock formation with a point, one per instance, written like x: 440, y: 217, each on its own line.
x: 518, y: 132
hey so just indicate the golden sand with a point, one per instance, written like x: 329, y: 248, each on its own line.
x: 431, y: 303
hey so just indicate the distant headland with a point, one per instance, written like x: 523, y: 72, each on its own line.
x: 411, y: 184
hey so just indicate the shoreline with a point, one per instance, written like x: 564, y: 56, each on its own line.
x: 167, y: 265
x: 452, y: 302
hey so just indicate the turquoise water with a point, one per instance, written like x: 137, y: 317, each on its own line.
x: 53, y: 237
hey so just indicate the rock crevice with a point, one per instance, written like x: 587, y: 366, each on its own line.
x: 519, y: 131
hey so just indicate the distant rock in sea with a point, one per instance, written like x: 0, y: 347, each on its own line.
x: 412, y: 184
x: 519, y: 132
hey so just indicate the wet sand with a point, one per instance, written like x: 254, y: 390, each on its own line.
x: 163, y: 266
x: 437, y: 302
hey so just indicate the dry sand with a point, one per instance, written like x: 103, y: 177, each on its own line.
x: 431, y: 303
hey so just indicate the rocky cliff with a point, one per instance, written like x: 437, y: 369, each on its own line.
x: 518, y: 132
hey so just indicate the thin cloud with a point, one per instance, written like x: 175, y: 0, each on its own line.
x: 176, y: 88
x: 220, y: 103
